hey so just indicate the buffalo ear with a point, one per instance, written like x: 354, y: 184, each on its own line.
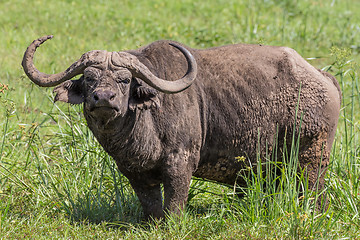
x: 143, y: 96
x: 70, y: 91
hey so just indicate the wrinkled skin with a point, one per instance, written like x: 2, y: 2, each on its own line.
x: 242, y: 95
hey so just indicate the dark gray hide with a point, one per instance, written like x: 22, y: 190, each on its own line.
x: 241, y: 95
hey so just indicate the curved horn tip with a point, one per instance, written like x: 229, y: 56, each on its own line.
x: 41, y: 40
x: 49, y: 37
x: 186, y: 52
x: 177, y: 46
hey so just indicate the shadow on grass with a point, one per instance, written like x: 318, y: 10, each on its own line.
x: 109, y: 209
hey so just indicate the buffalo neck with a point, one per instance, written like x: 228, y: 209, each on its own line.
x: 132, y: 140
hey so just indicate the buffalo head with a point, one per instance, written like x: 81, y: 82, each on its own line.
x: 111, y: 82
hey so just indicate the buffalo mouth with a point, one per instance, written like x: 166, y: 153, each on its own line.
x: 104, y: 110
x: 102, y: 117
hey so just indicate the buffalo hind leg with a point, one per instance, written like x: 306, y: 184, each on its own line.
x: 314, y: 157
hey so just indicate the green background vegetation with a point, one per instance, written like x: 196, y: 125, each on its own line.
x: 56, y: 182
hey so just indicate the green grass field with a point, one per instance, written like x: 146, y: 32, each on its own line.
x: 55, y: 180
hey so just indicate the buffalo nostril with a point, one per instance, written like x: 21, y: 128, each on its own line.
x: 104, y: 96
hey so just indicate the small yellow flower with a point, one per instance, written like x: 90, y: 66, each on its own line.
x: 240, y: 159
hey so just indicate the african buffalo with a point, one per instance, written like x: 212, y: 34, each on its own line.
x: 215, y: 105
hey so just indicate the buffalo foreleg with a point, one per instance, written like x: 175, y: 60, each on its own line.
x: 150, y: 197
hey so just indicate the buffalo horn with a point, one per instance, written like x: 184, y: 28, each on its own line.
x: 141, y: 71
x: 49, y: 80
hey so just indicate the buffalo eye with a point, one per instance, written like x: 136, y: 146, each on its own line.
x: 89, y: 79
x: 124, y: 81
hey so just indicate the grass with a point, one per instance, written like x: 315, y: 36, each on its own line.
x: 55, y: 180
